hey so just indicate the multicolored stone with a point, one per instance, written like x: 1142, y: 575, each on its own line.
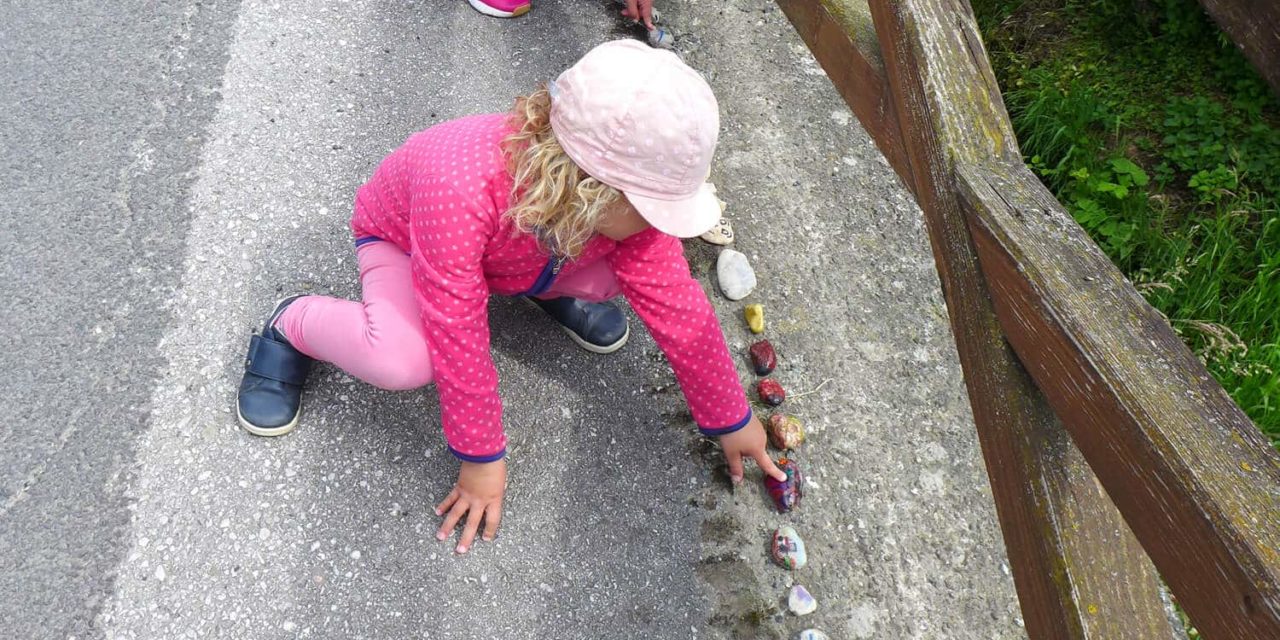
x: 785, y: 432
x: 788, y: 549
x: 786, y: 494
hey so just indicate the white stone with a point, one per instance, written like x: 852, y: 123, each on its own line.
x: 813, y: 634
x: 801, y: 602
x: 737, y: 280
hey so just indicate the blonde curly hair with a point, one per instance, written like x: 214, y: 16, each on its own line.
x: 551, y: 197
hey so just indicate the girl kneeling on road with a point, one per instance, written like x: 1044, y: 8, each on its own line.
x: 582, y: 193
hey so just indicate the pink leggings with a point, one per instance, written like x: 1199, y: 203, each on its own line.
x: 381, y: 340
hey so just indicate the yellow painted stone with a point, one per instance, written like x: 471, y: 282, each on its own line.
x: 755, y: 317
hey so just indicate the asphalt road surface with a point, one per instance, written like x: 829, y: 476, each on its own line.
x: 170, y: 169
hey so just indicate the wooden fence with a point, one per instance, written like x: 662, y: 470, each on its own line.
x: 1115, y: 459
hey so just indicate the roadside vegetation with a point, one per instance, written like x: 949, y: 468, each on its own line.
x: 1162, y: 141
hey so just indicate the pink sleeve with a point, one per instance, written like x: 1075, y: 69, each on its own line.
x: 449, y: 237
x: 655, y: 279
x: 381, y: 206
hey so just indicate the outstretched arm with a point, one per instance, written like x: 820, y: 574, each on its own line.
x: 655, y: 278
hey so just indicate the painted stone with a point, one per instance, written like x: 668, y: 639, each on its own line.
x: 771, y: 393
x: 785, y: 432
x: 737, y: 279
x: 788, y: 549
x: 801, y: 602
x: 660, y: 38
x: 786, y: 494
x: 763, y: 358
x: 813, y: 634
x: 721, y: 234
x: 755, y: 317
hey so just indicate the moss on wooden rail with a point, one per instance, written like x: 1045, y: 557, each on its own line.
x: 854, y: 16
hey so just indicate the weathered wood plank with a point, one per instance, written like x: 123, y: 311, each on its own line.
x: 1078, y: 571
x: 854, y: 72
x: 1254, y: 25
x: 1198, y: 482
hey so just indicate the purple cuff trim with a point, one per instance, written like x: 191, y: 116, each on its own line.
x: 493, y: 457
x: 360, y: 242
x: 723, y: 431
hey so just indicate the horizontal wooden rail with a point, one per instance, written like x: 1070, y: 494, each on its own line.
x: 1198, y: 483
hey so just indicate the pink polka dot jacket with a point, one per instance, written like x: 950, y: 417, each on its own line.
x: 441, y: 197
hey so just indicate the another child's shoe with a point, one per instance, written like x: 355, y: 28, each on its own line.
x: 502, y: 8
x: 599, y: 327
x: 270, y: 396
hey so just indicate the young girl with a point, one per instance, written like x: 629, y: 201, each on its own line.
x: 582, y: 193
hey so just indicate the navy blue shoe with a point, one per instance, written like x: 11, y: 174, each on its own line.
x: 270, y: 397
x: 598, y: 327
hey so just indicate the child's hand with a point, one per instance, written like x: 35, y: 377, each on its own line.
x: 640, y: 11
x: 748, y: 441
x: 479, y: 491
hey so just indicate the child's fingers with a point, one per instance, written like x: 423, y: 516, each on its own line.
x: 735, y: 465
x: 646, y: 12
x: 492, y: 516
x: 455, y: 514
x: 469, y: 533
x: 631, y: 11
x: 767, y: 465
x: 447, y: 502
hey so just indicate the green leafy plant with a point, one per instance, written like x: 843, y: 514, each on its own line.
x: 1213, y: 186
x: 1164, y: 144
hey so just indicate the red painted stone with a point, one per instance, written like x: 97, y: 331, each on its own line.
x: 771, y: 393
x: 763, y: 358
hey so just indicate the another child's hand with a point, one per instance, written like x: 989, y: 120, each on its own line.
x: 750, y: 442
x: 640, y: 11
x: 478, y: 492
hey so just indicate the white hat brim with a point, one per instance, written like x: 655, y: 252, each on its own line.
x: 688, y: 217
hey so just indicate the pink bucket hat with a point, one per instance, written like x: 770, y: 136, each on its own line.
x: 643, y: 122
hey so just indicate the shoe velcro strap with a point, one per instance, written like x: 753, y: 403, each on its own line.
x: 277, y: 360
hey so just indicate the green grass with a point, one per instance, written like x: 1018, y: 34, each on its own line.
x: 1164, y: 144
